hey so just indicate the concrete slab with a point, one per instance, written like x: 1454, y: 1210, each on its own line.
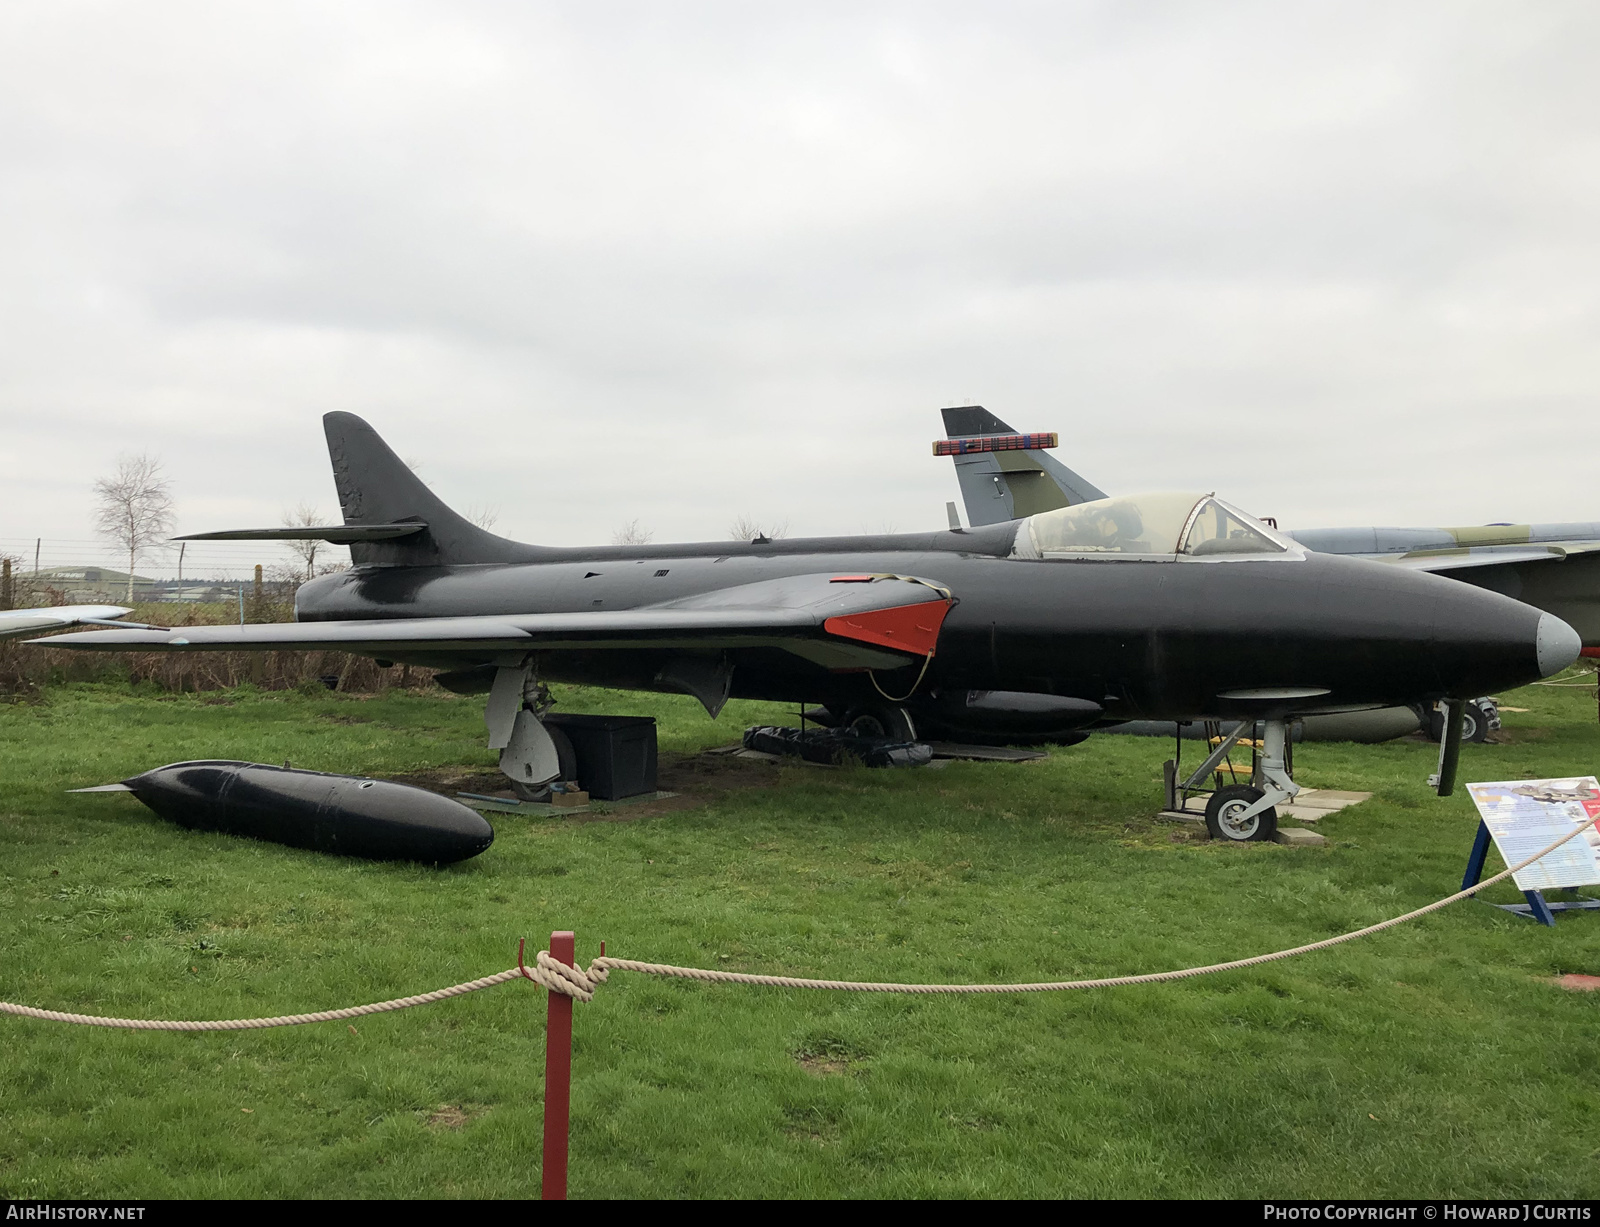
x: 1330, y: 798
x: 1297, y: 837
x: 1309, y: 805
x: 1303, y: 813
x: 1314, y: 804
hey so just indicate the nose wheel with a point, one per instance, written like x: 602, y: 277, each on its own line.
x: 1243, y: 813
x: 1231, y: 813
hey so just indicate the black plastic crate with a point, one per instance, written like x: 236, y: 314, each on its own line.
x: 616, y: 754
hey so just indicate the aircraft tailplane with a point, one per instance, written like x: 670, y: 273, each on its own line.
x: 377, y: 487
x: 1007, y: 485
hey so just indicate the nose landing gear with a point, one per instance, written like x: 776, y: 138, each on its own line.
x: 1242, y: 812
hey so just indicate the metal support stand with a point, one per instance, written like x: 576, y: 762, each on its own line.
x: 1537, y: 906
x: 1215, y: 757
x: 1271, y: 765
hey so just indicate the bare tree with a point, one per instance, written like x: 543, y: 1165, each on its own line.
x: 134, y: 507
x: 748, y: 528
x: 632, y: 533
x: 485, y: 517
x: 304, y: 515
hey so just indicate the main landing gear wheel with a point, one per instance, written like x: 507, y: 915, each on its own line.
x: 564, y: 755
x: 880, y: 720
x: 1224, y: 808
x: 1474, y: 723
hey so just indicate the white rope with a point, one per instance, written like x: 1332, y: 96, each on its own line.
x: 580, y: 982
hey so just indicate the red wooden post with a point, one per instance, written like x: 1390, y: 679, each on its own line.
x: 558, y: 1075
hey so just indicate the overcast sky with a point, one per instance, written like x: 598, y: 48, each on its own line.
x: 678, y: 262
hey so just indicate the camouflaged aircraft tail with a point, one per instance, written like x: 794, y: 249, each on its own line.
x: 1007, y: 485
x: 376, y: 487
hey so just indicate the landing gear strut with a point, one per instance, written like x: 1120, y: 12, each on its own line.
x: 532, y: 755
x: 1244, y: 812
x: 1255, y: 817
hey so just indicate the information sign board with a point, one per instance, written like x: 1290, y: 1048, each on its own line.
x: 1526, y: 815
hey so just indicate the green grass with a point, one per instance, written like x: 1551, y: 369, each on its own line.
x: 1427, y: 1062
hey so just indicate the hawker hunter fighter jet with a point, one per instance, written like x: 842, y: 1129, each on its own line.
x: 1155, y: 606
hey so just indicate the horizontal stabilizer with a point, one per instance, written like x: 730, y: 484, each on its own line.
x: 103, y: 788
x: 1006, y: 475
x: 338, y: 534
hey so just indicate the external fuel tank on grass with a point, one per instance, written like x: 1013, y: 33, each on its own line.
x: 341, y: 814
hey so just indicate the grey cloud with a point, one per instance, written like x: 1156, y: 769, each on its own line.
x: 683, y: 262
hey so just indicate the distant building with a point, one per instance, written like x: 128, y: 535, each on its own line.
x: 85, y: 585
x: 96, y: 585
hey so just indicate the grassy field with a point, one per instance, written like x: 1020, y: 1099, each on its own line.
x: 1434, y: 1061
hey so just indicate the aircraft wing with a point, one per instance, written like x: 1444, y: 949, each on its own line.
x: 14, y: 622
x: 838, y: 621
x: 1445, y: 561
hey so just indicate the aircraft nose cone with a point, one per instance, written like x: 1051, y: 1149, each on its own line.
x: 1557, y: 645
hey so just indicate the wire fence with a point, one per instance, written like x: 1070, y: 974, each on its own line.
x: 194, y: 567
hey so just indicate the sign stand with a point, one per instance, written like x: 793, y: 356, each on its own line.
x: 1537, y: 906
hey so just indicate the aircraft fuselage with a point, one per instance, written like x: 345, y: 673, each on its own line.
x: 1160, y: 638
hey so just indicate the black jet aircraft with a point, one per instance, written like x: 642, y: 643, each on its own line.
x: 1159, y: 606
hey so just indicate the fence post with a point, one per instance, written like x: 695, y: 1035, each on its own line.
x: 558, y: 1074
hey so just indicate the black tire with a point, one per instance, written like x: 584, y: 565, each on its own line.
x: 880, y: 720
x: 567, y: 760
x: 1474, y: 725
x: 1229, y: 800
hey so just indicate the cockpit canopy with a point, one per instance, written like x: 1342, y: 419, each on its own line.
x: 1151, y: 526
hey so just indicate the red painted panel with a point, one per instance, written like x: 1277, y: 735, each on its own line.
x: 996, y: 443
x: 907, y: 628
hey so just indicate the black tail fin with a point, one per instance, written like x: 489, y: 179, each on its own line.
x: 377, y: 487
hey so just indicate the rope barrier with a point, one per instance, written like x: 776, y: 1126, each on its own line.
x: 580, y: 983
